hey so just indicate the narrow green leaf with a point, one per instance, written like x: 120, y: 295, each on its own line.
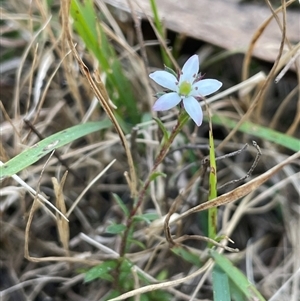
x: 236, y: 276
x: 256, y: 130
x: 163, y: 129
x: 187, y: 255
x: 85, y: 22
x: 121, y: 204
x: 96, y: 41
x: 147, y: 217
x: 170, y: 70
x: 112, y: 294
x: 236, y: 293
x: 220, y: 285
x: 115, y: 228
x: 162, y: 275
x: 47, y: 145
x: 126, y: 265
x: 125, y: 277
x: 138, y: 243
x: 156, y: 174
x: 101, y: 271
x: 212, y: 212
x: 146, y: 117
x: 160, y: 29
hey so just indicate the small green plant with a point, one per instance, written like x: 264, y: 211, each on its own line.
x: 125, y: 279
x: 158, y: 208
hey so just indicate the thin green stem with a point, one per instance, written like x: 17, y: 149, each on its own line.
x: 183, y: 118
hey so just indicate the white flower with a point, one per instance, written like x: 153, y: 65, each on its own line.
x: 186, y: 88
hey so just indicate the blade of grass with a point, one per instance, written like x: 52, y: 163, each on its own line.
x: 100, y: 92
x: 121, y: 204
x: 187, y: 255
x: 219, y: 279
x: 236, y: 293
x: 212, y: 212
x: 161, y: 31
x: 47, y: 145
x: 240, y: 280
x: 102, y: 271
x: 221, y: 287
x: 250, y: 128
x: 118, y: 86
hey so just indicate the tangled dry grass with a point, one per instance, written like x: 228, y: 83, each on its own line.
x: 43, y: 90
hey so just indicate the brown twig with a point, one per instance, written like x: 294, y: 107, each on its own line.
x: 240, y: 191
x: 249, y: 173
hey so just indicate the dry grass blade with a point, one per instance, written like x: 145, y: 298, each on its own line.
x: 38, y: 196
x: 62, y: 225
x: 34, y: 207
x: 101, y: 94
x: 289, y: 59
x: 18, y: 82
x: 173, y: 283
x: 254, y: 39
x: 241, y: 191
x: 262, y: 92
x: 112, y: 211
x: 88, y: 187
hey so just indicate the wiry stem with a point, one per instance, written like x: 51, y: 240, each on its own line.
x: 183, y: 117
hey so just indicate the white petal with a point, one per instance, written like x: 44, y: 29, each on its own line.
x: 193, y: 108
x: 205, y: 87
x: 166, y: 102
x: 165, y: 79
x: 190, y: 69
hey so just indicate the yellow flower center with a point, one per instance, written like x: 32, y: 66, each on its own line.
x: 185, y: 88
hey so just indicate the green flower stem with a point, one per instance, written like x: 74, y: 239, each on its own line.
x: 183, y: 118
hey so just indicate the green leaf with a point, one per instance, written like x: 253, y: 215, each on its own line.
x: 121, y: 204
x: 146, y: 117
x: 118, y: 86
x: 101, y: 271
x: 156, y: 174
x: 138, y: 243
x: 163, y: 275
x: 47, y: 145
x: 236, y: 293
x: 170, y: 70
x: 115, y: 228
x: 85, y: 22
x: 147, y: 217
x: 237, y: 277
x: 256, y: 130
x: 163, y: 129
x: 125, y: 277
x: 187, y: 255
x: 161, y: 31
x: 220, y: 285
x: 212, y: 212
x: 111, y: 295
